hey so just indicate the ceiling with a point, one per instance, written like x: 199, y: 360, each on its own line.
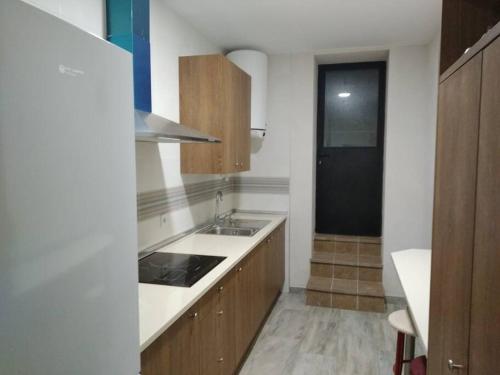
x: 280, y: 26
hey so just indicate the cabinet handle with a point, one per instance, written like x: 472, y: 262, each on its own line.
x: 221, y: 359
x: 221, y: 288
x: 220, y: 312
x: 193, y: 315
x: 452, y: 366
x: 239, y: 269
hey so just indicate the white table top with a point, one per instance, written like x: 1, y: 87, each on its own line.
x: 413, y: 267
x: 160, y: 305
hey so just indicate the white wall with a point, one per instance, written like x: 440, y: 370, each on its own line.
x: 409, y: 154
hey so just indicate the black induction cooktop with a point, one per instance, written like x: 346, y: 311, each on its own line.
x: 175, y: 269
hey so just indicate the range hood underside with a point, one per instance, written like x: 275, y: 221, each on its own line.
x: 153, y: 128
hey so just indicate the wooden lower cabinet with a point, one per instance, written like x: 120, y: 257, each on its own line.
x: 214, y: 336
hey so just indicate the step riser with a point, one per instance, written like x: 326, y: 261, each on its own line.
x: 346, y: 272
x: 353, y: 248
x: 345, y: 301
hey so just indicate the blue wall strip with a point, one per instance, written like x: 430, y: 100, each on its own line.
x: 128, y: 27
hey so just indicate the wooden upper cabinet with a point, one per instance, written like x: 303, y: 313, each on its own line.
x: 463, y: 23
x: 454, y: 211
x: 215, y: 99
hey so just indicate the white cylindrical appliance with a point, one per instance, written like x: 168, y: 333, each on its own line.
x: 254, y: 63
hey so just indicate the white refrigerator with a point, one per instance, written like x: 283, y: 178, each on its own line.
x: 68, y: 230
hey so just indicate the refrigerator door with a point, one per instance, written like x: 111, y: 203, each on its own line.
x: 68, y: 241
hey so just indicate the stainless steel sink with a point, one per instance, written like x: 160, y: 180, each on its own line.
x: 235, y: 227
x: 223, y: 231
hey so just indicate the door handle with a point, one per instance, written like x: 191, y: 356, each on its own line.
x: 453, y: 366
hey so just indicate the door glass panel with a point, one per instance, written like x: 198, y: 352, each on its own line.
x: 351, y: 108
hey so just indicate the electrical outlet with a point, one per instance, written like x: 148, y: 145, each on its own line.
x: 163, y: 220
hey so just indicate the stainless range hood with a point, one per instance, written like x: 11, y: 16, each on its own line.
x: 153, y: 128
x: 128, y: 27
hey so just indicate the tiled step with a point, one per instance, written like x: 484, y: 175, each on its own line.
x: 348, y: 244
x: 345, y: 294
x: 346, y: 286
x: 345, y: 301
x: 374, y: 261
x: 346, y: 273
x: 343, y: 238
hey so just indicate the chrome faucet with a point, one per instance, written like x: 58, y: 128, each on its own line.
x: 218, y: 199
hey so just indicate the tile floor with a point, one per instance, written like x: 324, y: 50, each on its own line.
x: 299, y: 340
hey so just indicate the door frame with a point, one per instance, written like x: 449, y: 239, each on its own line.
x: 381, y: 66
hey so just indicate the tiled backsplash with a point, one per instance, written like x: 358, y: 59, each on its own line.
x: 167, y: 212
x: 158, y: 202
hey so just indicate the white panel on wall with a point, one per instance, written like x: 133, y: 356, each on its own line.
x: 87, y: 15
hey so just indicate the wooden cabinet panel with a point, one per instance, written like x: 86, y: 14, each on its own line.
x: 454, y: 209
x: 485, y: 310
x: 215, y: 99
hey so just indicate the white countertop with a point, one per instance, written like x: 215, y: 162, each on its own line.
x: 414, y: 270
x: 160, y: 306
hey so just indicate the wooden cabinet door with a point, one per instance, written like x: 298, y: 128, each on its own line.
x: 244, y: 113
x: 237, y: 100
x: 485, y: 312
x: 270, y: 269
x: 261, y: 284
x: 454, y: 210
x: 210, y: 335
x: 177, y: 351
x: 185, y: 345
x: 243, y: 313
x: 230, y: 115
x: 226, y: 310
x: 279, y: 258
x: 202, y: 102
x: 215, y: 99
x: 157, y: 358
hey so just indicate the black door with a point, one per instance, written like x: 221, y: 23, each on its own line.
x: 350, y: 148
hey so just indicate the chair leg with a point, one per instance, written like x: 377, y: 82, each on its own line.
x: 400, y: 347
x: 409, y: 353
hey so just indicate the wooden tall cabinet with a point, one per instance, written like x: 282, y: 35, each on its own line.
x: 215, y: 98
x: 464, y: 330
x: 485, y: 311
